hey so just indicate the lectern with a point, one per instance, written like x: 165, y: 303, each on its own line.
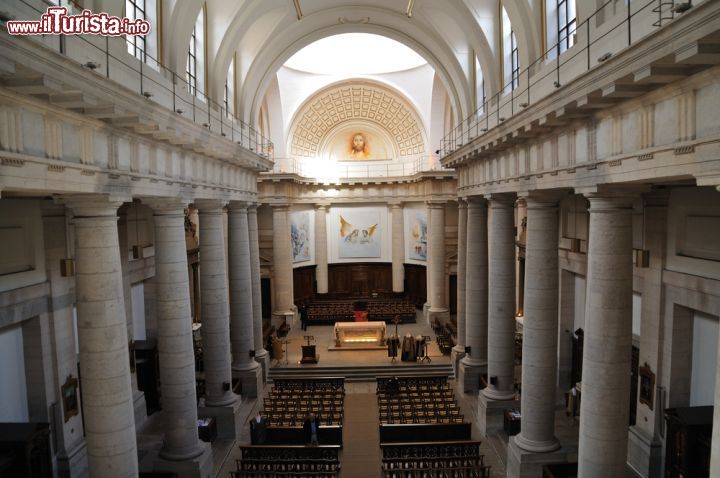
x: 308, y: 351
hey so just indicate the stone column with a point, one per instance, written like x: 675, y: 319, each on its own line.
x: 458, y: 352
x: 283, y: 308
x: 241, y: 306
x: 536, y: 441
x: 608, y: 339
x: 214, y: 305
x: 261, y: 355
x: 436, y: 258
x: 715, y: 444
x: 500, y: 392
x: 428, y: 268
x: 398, y: 248
x: 70, y: 449
x: 321, y: 253
x: 139, y: 405
x: 102, y: 336
x: 174, y: 336
x: 474, y: 364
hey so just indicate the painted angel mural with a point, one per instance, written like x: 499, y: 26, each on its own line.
x: 359, y: 235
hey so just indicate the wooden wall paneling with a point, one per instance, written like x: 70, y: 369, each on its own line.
x: 304, y: 284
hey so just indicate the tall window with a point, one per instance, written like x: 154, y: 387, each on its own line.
x: 511, y: 57
x: 560, y: 22
x: 135, y: 10
x: 195, y: 68
x: 566, y: 23
x: 479, y: 87
x: 514, y: 60
x: 228, y: 96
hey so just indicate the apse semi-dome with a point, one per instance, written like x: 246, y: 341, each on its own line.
x: 357, y: 120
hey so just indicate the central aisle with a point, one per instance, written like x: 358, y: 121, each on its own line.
x: 361, y: 436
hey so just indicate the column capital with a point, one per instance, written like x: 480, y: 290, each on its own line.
x: 543, y: 198
x: 609, y: 198
x: 205, y: 206
x: 239, y: 206
x: 708, y: 179
x: 436, y: 203
x: 253, y: 207
x: 167, y: 206
x: 322, y: 205
x: 462, y: 203
x: 474, y: 202
x: 93, y: 205
x: 504, y: 200
x: 614, y: 190
x: 280, y: 206
x: 395, y: 204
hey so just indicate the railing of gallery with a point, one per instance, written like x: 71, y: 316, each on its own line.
x: 611, y: 28
x: 324, y: 170
x: 156, y: 82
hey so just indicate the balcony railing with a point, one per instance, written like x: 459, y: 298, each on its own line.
x: 328, y: 171
x: 610, y: 29
x: 153, y: 80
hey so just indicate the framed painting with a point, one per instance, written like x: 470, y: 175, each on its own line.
x: 647, y: 385
x: 68, y: 392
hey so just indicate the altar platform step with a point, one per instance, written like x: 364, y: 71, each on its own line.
x: 360, y: 373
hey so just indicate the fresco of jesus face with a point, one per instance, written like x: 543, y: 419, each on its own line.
x: 358, y: 143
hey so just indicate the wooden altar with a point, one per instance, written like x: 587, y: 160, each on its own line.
x: 359, y: 335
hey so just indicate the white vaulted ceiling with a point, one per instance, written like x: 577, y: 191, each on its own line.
x: 263, y: 34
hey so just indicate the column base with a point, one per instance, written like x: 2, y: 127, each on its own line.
x: 226, y: 400
x: 263, y: 358
x: 469, y: 375
x: 250, y: 378
x: 74, y: 463
x: 199, y: 467
x: 139, y: 408
x: 526, y: 464
x: 443, y: 315
x: 283, y: 317
x: 456, y: 354
x: 491, y: 413
x: 644, y: 453
x: 225, y: 418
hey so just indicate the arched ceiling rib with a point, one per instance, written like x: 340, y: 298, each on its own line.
x: 325, y: 23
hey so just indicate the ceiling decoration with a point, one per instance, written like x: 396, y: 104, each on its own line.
x: 356, y: 101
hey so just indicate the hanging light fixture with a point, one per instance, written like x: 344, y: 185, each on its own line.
x: 575, y: 242
x: 137, y: 248
x: 67, y: 266
x: 641, y: 257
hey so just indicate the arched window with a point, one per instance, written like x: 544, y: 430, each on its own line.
x: 511, y: 57
x: 479, y: 87
x: 195, y: 68
x: 229, y: 90
x: 560, y: 24
x: 143, y: 47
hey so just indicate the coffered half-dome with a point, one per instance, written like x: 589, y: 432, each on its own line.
x: 373, y: 120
